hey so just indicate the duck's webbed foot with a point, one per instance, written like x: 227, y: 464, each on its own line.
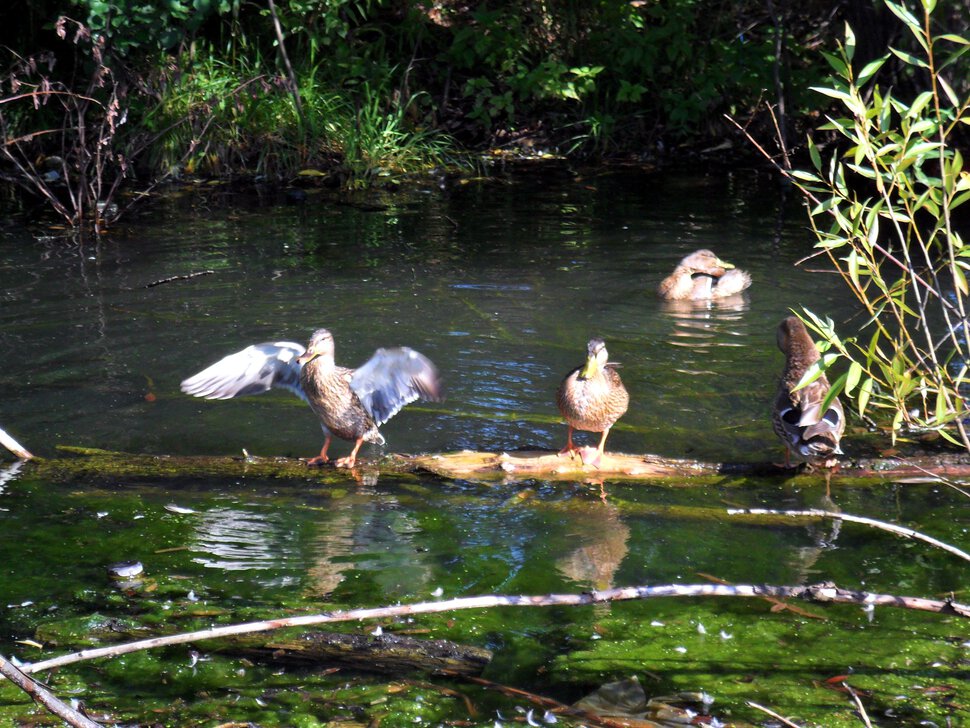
x: 322, y: 458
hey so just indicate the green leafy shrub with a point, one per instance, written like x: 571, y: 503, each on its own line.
x: 882, y: 206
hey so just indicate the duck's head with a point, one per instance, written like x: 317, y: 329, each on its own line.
x: 596, y: 358
x: 320, y: 344
x: 794, y: 340
x: 704, y: 261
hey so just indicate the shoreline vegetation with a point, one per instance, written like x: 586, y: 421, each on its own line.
x: 102, y: 96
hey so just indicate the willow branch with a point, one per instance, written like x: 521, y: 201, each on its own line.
x: 825, y: 593
x: 44, y: 696
x: 882, y: 525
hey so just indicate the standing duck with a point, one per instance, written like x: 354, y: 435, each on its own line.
x: 351, y: 403
x: 592, y: 398
x: 797, y: 417
x: 702, y: 276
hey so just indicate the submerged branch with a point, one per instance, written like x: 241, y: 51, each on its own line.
x: 44, y: 696
x: 882, y: 525
x: 824, y: 593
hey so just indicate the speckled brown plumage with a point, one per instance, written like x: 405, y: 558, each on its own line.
x: 351, y: 403
x: 592, y: 398
x: 703, y: 276
x: 797, y: 417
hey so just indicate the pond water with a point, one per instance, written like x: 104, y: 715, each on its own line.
x: 501, y: 282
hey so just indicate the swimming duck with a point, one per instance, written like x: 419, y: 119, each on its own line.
x: 351, y: 403
x: 592, y: 398
x: 797, y: 417
x: 703, y: 276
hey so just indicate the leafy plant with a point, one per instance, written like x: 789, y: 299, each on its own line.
x: 882, y: 208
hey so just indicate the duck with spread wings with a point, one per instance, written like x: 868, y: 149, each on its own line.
x: 351, y: 403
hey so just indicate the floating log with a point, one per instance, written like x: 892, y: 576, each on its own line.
x: 81, y: 463
x: 384, y: 653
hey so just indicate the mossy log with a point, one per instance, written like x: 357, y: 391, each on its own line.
x: 85, y: 463
x: 385, y: 653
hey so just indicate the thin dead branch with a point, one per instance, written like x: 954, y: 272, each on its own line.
x: 858, y: 704
x: 45, y: 697
x: 825, y: 593
x: 882, y: 525
x: 772, y: 713
x: 13, y: 446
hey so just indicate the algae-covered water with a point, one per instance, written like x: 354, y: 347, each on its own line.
x: 500, y: 282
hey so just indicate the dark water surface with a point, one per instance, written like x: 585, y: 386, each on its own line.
x: 501, y: 283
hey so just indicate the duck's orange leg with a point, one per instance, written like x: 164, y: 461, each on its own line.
x: 570, y: 448
x: 322, y: 457
x: 348, y: 462
x: 595, y: 461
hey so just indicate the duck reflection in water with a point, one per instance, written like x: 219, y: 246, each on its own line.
x: 351, y: 403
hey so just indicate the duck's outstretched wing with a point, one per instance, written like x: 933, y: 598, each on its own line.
x: 391, y: 379
x: 255, y: 369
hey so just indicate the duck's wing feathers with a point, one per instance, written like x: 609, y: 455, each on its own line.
x: 732, y: 282
x: 255, y: 369
x: 393, y: 378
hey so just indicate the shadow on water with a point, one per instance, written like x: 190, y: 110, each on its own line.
x: 501, y: 284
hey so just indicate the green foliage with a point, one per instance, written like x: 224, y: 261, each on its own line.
x: 131, y: 26
x: 221, y: 118
x: 882, y: 208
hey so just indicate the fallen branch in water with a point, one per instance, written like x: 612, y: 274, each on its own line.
x: 44, y: 696
x: 179, y: 278
x: 772, y: 713
x: 825, y: 593
x: 79, y: 462
x: 882, y: 525
x: 13, y: 446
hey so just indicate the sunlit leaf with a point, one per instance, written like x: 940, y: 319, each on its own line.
x: 849, y: 42
x: 834, y: 391
x: 909, y: 58
x: 852, y: 376
x: 865, y: 391
x: 950, y: 94
x: 941, y: 406
x: 870, y: 69
x: 813, y: 153
x: 960, y: 279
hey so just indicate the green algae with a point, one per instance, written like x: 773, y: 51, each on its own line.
x: 267, y: 548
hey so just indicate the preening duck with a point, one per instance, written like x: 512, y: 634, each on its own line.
x: 797, y: 416
x: 702, y: 276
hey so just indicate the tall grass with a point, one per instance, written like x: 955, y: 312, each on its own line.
x: 225, y: 118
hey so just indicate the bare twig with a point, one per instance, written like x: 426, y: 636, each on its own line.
x: 44, y: 696
x: 882, y: 525
x: 13, y: 446
x: 772, y: 713
x: 821, y: 593
x: 858, y: 704
x: 179, y: 278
